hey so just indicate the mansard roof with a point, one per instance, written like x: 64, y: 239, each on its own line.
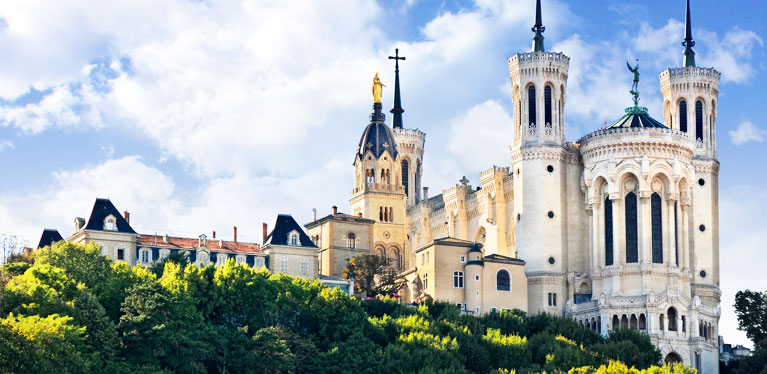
x: 284, y: 225
x: 49, y: 237
x: 102, y: 209
x: 174, y: 242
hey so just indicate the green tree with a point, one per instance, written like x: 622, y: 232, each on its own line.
x: 82, y: 263
x: 751, y: 309
x: 373, y: 275
x: 101, y: 337
x: 41, y: 290
x: 631, y: 347
x: 177, y: 258
x: 270, y: 354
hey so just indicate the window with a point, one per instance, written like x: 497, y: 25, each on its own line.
x: 351, y: 240
x: 552, y: 299
x: 502, y: 281
x: 458, y: 279
x: 221, y: 258
x: 657, y: 228
x: 671, y: 319
x: 547, y: 105
x: 121, y: 254
x: 608, y: 231
x: 476, y: 277
x: 164, y: 253
x: 531, y: 106
x: 110, y: 225
x: 683, y: 116
x: 293, y: 239
x: 239, y: 259
x: 463, y: 259
x: 425, y: 281
x: 684, y: 324
x: 632, y: 242
x: 146, y: 256
x: 284, y: 264
x: 405, y: 176
x: 662, y: 317
x: 699, y: 120
x: 259, y: 262
x: 304, y: 266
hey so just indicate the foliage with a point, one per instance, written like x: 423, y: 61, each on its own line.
x: 751, y: 309
x: 75, y: 311
x: 177, y: 258
x: 373, y: 275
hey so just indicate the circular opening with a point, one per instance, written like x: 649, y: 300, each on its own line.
x: 701, y: 181
x: 702, y: 228
x: 551, y: 214
x: 551, y: 260
x: 702, y: 273
x: 550, y: 168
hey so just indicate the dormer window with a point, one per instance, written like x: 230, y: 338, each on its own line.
x: 202, y: 241
x: 293, y: 238
x: 109, y: 223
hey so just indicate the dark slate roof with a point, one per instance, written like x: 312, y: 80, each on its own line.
x: 505, y: 259
x: 476, y: 248
x: 49, y: 237
x: 636, y: 117
x: 282, y: 227
x: 378, y: 138
x: 103, y: 208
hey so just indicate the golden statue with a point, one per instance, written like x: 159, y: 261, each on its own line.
x: 377, y: 89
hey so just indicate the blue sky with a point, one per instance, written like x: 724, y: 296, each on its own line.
x: 200, y: 115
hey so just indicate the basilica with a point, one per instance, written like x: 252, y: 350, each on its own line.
x: 618, y: 229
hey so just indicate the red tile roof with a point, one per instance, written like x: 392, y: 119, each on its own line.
x: 190, y: 243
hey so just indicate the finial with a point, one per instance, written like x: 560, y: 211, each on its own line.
x: 397, y: 109
x: 688, y: 43
x: 538, y: 29
x: 635, y: 87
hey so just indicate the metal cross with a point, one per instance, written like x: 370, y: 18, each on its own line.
x: 396, y: 59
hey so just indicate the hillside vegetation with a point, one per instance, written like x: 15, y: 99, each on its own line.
x: 70, y: 310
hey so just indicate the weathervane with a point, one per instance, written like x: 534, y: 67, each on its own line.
x: 635, y: 87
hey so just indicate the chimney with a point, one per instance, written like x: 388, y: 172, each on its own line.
x: 314, y: 214
x: 235, y: 234
x: 263, y: 232
x: 165, y: 238
x: 214, y: 234
x: 425, y: 193
x: 335, y: 210
x: 221, y: 243
x: 126, y: 215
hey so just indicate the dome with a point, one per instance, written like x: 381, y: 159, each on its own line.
x: 636, y: 117
x: 378, y: 138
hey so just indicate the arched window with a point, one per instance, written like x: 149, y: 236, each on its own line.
x: 458, y: 279
x: 502, y: 281
x: 671, y: 319
x: 684, y: 324
x: 547, y: 106
x: 608, y: 231
x: 642, y: 322
x: 699, y: 120
x: 657, y: 229
x: 351, y: 240
x: 624, y: 322
x: 531, y: 106
x: 616, y: 322
x: 683, y: 116
x: 380, y: 213
x: 391, y: 214
x: 405, y: 176
x: 633, y: 324
x: 632, y: 242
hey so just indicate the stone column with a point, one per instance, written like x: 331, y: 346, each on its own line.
x: 450, y: 225
x: 645, y: 228
x: 670, y: 229
x: 684, y: 236
x: 595, y: 230
x: 619, y: 231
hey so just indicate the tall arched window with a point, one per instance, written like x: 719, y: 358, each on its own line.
x: 608, y: 231
x: 380, y: 213
x: 405, y: 176
x: 458, y: 279
x: 531, y: 106
x: 351, y: 240
x: 672, y: 319
x: 657, y: 229
x: 391, y: 214
x: 699, y: 120
x: 547, y: 105
x: 503, y: 281
x: 683, y: 116
x: 632, y: 242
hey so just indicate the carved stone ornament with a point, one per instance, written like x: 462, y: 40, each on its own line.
x: 602, y: 299
x: 630, y: 185
x: 657, y: 186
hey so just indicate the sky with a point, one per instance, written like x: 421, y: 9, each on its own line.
x: 202, y: 115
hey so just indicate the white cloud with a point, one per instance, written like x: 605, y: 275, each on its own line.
x: 730, y: 55
x: 481, y: 138
x: 747, y: 132
x: 5, y: 144
x: 60, y: 108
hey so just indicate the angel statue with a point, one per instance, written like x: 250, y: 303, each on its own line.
x: 377, y: 89
x: 635, y: 87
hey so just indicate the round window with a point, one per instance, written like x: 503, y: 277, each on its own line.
x: 550, y: 169
x: 551, y: 214
x: 702, y: 273
x: 701, y: 181
x: 551, y: 260
x: 702, y: 228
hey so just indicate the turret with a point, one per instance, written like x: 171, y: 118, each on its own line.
x: 473, y: 289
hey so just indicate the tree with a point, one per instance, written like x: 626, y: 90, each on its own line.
x: 631, y: 347
x: 270, y: 354
x: 751, y: 309
x: 374, y: 275
x: 41, y: 290
x: 12, y: 245
x: 177, y: 258
x: 101, y: 337
x: 83, y: 263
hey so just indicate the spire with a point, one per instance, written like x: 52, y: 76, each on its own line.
x: 688, y: 43
x: 538, y: 29
x: 397, y: 109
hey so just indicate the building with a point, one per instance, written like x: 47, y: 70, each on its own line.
x: 616, y: 229
x: 728, y: 353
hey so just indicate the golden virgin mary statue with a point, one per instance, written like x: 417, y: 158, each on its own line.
x: 377, y: 89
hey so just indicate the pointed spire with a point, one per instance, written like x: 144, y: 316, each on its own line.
x: 688, y: 43
x: 397, y: 109
x: 538, y: 29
